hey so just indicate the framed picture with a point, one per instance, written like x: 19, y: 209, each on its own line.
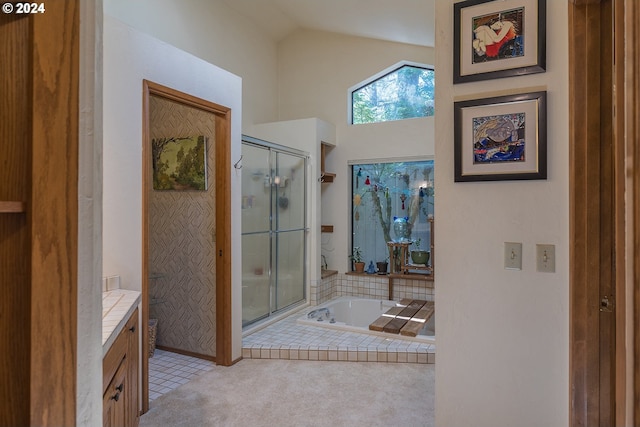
x: 498, y: 38
x: 179, y: 163
x: 501, y: 138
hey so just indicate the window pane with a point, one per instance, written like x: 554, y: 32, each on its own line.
x: 382, y: 191
x: 405, y: 93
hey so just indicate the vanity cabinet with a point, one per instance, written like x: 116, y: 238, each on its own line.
x: 120, y: 377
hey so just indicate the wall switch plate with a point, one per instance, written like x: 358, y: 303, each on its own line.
x: 546, y: 258
x: 512, y: 256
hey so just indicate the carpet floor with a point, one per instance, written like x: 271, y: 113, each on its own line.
x: 281, y: 393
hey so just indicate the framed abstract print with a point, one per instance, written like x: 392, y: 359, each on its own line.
x: 501, y: 138
x: 498, y: 38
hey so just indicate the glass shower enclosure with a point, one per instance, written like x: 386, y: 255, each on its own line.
x: 273, y: 229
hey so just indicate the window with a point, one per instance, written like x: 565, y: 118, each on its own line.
x: 382, y: 191
x: 402, y: 92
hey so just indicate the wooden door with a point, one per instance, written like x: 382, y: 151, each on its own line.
x: 603, y: 76
x: 38, y: 215
x: 221, y: 116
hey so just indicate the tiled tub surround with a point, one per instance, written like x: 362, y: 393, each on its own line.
x: 117, y: 306
x: 368, y: 286
x: 364, y: 316
x: 287, y: 339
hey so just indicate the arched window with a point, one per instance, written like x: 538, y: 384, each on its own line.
x: 403, y: 91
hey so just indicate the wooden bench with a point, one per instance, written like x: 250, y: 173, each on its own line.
x: 407, y: 318
x: 382, y: 321
x: 417, y: 322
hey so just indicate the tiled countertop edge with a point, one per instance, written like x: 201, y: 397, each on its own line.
x: 117, y: 307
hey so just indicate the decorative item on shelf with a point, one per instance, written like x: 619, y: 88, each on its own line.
x: 403, y: 198
x: 401, y: 228
x: 371, y: 269
x: 356, y: 256
x: 419, y: 256
x: 367, y: 181
x: 382, y: 266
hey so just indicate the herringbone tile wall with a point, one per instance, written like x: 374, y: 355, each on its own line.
x: 182, y: 241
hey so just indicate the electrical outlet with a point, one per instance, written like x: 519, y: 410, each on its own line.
x: 512, y: 256
x: 546, y: 258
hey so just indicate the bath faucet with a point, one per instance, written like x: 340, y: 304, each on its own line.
x: 325, y: 311
x: 319, y: 313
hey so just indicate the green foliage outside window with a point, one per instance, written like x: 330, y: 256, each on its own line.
x: 405, y: 93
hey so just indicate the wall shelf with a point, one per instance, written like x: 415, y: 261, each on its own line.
x: 326, y: 228
x: 12, y: 207
x: 327, y: 177
x: 328, y: 273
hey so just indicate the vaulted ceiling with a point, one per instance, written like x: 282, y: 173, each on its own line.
x: 403, y: 21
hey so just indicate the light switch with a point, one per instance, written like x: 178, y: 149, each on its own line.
x: 512, y: 256
x: 546, y: 258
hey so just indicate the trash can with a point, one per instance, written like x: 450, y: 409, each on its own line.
x: 153, y: 329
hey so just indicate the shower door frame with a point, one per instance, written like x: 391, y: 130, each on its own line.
x: 271, y: 148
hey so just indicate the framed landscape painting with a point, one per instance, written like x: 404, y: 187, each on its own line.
x: 179, y: 163
x: 501, y: 138
x: 498, y: 38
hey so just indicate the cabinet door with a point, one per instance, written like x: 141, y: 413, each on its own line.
x: 115, y: 398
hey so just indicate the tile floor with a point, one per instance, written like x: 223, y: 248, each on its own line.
x: 168, y: 371
x: 286, y: 339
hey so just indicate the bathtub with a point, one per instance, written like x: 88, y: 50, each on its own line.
x: 356, y: 314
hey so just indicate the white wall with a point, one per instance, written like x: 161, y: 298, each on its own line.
x: 212, y: 31
x: 89, y: 351
x: 130, y: 57
x: 316, y: 69
x: 503, y: 335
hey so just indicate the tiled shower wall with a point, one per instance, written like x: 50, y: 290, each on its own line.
x: 182, y: 241
x: 369, y: 286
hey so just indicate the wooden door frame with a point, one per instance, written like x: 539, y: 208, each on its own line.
x: 39, y: 264
x: 604, y: 212
x: 222, y: 179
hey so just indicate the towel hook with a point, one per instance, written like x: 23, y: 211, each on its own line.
x: 237, y: 164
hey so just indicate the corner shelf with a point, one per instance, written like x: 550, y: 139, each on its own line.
x: 12, y: 207
x: 325, y: 177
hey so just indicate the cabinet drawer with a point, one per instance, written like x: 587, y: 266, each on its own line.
x: 114, y: 358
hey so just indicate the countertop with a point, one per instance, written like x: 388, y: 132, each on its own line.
x: 117, y: 307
